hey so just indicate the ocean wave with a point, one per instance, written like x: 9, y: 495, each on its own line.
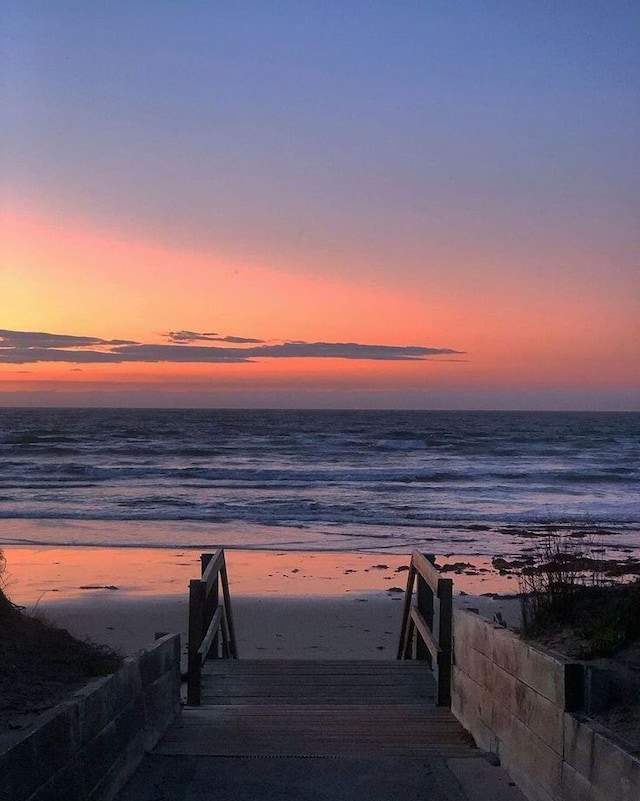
x: 316, y: 514
x: 28, y: 438
x: 335, y: 470
x: 74, y: 474
x: 400, y: 444
x: 157, y: 500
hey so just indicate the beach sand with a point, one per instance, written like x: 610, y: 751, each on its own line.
x: 293, y: 604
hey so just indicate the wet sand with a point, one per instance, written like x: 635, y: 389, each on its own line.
x: 286, y: 604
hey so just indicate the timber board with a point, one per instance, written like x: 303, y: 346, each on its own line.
x: 297, y: 682
x: 303, y: 730
x: 330, y: 709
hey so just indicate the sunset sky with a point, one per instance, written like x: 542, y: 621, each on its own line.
x: 296, y: 203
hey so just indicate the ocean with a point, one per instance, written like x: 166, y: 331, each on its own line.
x: 447, y: 482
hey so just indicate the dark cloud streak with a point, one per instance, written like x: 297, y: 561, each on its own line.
x: 179, y: 354
x: 23, y: 347
x: 346, y: 350
x: 33, y: 355
x: 189, y: 337
x: 39, y: 339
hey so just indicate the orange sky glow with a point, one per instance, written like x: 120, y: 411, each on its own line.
x: 69, y: 277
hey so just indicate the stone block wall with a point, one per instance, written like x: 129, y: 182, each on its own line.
x: 87, y: 747
x: 518, y: 702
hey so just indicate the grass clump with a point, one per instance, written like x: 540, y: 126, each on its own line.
x: 40, y: 663
x: 570, y: 592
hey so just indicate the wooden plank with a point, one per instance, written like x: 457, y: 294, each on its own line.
x: 220, y: 668
x: 226, y: 644
x: 426, y: 569
x: 408, y: 640
x: 255, y: 689
x: 212, y: 632
x: 302, y: 682
x: 350, y: 664
x: 312, y: 668
x: 355, y: 693
x: 338, y: 699
x: 425, y: 632
x: 423, y: 712
x: 262, y: 685
x: 212, y: 564
x: 232, y: 643
x: 373, y: 683
x: 405, y: 636
x: 395, y: 673
x: 319, y: 668
x: 383, y: 730
x: 305, y: 670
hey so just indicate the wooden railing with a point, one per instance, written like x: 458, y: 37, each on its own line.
x: 211, y: 631
x: 434, y: 646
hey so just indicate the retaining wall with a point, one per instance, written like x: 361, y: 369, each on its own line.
x: 86, y: 748
x: 522, y: 704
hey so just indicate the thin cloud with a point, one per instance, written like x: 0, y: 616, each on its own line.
x: 33, y: 355
x: 25, y: 347
x: 39, y: 339
x: 241, y: 340
x: 188, y: 337
x: 179, y: 353
x: 347, y: 350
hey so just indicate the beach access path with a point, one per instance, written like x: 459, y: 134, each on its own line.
x: 307, y: 730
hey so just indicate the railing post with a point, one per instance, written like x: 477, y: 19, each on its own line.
x: 197, y: 629
x: 433, y: 644
x: 210, y: 621
x: 205, y: 558
x: 425, y: 607
x: 445, y: 641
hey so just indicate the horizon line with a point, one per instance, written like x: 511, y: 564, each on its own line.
x: 316, y: 409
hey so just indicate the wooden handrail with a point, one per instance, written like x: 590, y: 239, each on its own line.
x: 211, y: 629
x: 418, y: 619
x: 425, y: 632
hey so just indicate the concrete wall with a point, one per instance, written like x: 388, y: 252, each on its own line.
x: 517, y: 701
x: 87, y: 747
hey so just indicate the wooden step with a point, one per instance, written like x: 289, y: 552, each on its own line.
x: 317, y: 731
x: 332, y: 709
x: 304, y: 682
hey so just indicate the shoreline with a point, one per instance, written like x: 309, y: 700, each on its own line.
x: 286, y: 604
x: 507, y: 539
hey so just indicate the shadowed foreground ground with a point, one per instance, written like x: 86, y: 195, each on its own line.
x: 311, y: 731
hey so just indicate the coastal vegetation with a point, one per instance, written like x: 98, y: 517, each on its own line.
x: 40, y: 663
x: 569, y: 593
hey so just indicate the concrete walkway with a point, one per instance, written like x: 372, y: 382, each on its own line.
x: 162, y: 777
x: 310, y: 731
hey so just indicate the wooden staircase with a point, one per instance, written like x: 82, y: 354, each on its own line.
x: 331, y: 730
x: 334, y: 709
